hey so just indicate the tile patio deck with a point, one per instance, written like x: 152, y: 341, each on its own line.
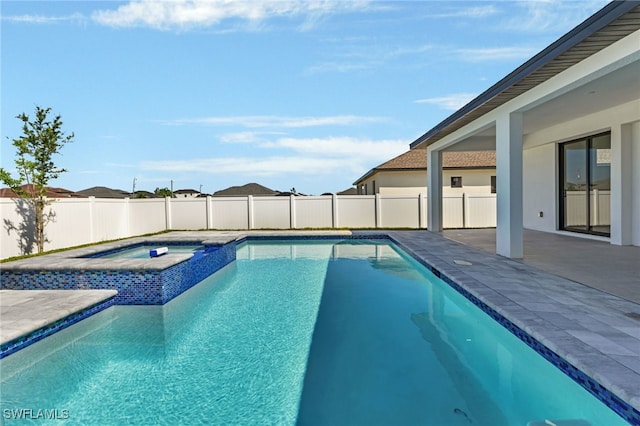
x: 598, y: 264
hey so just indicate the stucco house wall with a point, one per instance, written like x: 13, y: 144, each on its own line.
x: 413, y: 182
x: 473, y: 181
x: 541, y: 171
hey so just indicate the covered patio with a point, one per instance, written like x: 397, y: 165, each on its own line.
x: 594, y: 263
x: 565, y: 126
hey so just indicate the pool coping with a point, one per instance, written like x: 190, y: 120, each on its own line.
x: 532, y: 300
x: 72, y: 306
x: 76, y: 259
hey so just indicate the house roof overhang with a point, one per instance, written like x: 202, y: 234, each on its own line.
x: 376, y: 170
x: 615, y: 21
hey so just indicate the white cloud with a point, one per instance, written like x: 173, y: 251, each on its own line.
x: 184, y: 14
x: 273, y: 121
x: 468, y: 12
x: 551, y: 15
x: 342, y: 147
x: 244, y: 137
x: 341, y: 67
x: 314, y: 156
x: 451, y: 102
x: 496, y: 53
x: 266, y: 166
x: 365, y: 54
x: 41, y: 19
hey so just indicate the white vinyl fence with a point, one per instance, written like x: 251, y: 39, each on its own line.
x: 600, y: 208
x: 88, y: 220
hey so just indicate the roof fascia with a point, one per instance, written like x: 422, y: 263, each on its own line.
x: 590, y: 26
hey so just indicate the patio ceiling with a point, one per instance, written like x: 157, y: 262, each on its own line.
x: 614, y: 22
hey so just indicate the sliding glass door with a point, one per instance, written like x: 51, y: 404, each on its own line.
x: 585, y: 167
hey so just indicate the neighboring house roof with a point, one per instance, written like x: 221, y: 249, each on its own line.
x: 350, y: 191
x: 613, y: 22
x: 186, y: 191
x: 51, y: 192
x: 104, y: 192
x: 416, y: 159
x: 244, y: 190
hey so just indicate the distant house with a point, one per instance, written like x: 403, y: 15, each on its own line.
x: 51, y: 192
x: 186, y: 193
x: 468, y: 172
x: 244, y: 190
x: 104, y: 192
x: 350, y: 191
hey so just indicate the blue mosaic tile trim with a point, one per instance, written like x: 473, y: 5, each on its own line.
x: 134, y: 287
x: 185, y: 275
x: 15, y: 345
x: 620, y: 407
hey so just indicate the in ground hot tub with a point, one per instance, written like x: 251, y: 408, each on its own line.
x: 128, y: 268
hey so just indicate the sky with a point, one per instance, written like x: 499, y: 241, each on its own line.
x: 207, y: 94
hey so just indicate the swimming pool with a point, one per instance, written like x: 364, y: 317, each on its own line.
x: 320, y: 332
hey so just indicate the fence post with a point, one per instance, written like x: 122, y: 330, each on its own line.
x: 595, y: 220
x: 127, y: 213
x: 378, y: 211
x: 421, y: 222
x: 167, y: 212
x: 209, y: 212
x: 426, y: 209
x: 334, y: 211
x: 92, y: 205
x: 250, y: 210
x: 292, y: 211
x: 465, y: 210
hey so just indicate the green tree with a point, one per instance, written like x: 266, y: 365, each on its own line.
x: 163, y: 192
x: 42, y: 138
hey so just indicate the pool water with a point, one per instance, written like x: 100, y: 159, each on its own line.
x: 318, y: 333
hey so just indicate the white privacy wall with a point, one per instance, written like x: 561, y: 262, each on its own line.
x: 313, y: 212
x: 147, y: 216
x: 88, y: 220
x: 230, y: 213
x: 188, y: 213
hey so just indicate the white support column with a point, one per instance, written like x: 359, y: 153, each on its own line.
x: 434, y: 190
x: 635, y: 183
x: 509, y: 185
x: 621, y: 185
